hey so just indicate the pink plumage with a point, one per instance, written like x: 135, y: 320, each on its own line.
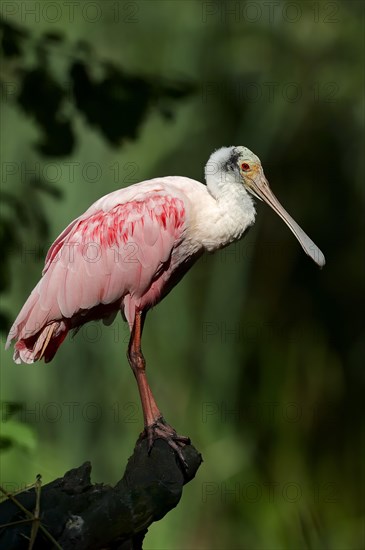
x: 132, y: 246
x: 117, y: 256
x: 129, y: 250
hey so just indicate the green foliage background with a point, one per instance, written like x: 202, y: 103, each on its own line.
x: 257, y: 353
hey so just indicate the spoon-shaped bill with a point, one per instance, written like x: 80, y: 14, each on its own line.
x: 260, y: 187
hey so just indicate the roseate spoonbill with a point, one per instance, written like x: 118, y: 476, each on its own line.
x: 130, y: 248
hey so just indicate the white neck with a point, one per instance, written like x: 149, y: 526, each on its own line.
x: 225, y: 217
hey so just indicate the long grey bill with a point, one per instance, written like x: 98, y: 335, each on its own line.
x: 262, y: 190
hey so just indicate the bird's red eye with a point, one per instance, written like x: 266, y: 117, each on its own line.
x: 245, y: 166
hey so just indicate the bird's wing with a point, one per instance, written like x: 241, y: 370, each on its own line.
x: 104, y: 255
x: 136, y: 192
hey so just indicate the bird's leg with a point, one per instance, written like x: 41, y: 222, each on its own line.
x: 151, y: 412
x: 155, y: 425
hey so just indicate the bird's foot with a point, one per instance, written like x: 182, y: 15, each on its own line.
x: 162, y: 430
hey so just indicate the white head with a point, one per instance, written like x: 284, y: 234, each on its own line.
x: 239, y: 168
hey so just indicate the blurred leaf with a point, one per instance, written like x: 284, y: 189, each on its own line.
x: 41, y: 96
x: 11, y: 37
x: 124, y: 99
x: 54, y: 36
x: 16, y: 205
x: 15, y: 433
x: 9, y: 408
x: 46, y: 187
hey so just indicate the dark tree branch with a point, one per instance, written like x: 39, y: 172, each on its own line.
x: 82, y: 515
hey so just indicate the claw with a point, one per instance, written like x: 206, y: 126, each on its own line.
x: 162, y: 430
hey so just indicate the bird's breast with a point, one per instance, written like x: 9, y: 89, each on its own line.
x: 219, y: 223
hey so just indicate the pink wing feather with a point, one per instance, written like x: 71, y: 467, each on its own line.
x: 103, y: 261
